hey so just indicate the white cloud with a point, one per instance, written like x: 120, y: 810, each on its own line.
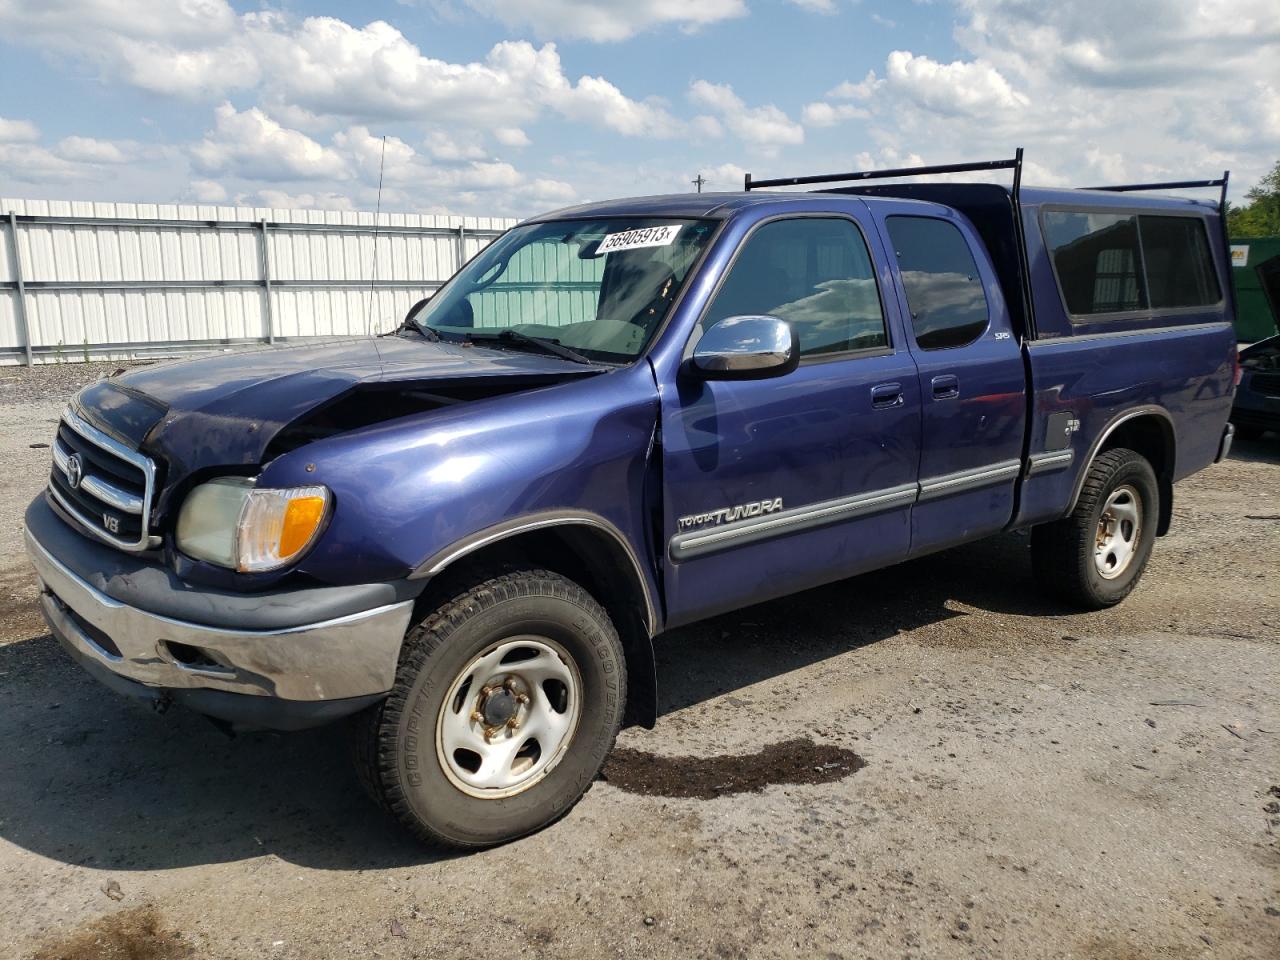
x: 706, y: 126
x: 89, y: 150
x: 34, y: 164
x: 596, y: 99
x: 192, y: 20
x: 251, y: 145
x: 312, y: 70
x: 607, y: 20
x: 283, y: 200
x: 719, y: 177
x: 822, y: 114
x: 1151, y: 89
x: 448, y: 148
x: 551, y: 191
x: 18, y: 131
x: 185, y: 48
x: 862, y: 90
x: 764, y: 127
x: 74, y: 158
x: 972, y: 88
x: 816, y: 6
x: 487, y: 175
x: 208, y: 191
x: 1096, y: 91
x: 511, y: 137
x: 965, y: 88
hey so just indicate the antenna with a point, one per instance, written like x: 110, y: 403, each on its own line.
x: 377, y: 218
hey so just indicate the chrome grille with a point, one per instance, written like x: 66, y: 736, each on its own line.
x: 103, y: 485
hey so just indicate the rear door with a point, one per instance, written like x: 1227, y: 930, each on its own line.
x: 972, y: 382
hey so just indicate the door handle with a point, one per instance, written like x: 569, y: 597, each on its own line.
x: 886, y: 395
x: 946, y: 387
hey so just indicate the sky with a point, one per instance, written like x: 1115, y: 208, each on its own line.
x: 511, y: 107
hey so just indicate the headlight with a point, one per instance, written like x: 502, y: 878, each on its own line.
x: 234, y: 524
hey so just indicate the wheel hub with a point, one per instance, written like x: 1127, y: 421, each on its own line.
x: 498, y: 707
x: 1119, y: 528
x: 509, y: 717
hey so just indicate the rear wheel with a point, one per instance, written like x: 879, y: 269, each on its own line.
x: 507, y: 700
x: 1095, y: 557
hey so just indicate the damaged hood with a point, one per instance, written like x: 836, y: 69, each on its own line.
x: 226, y: 409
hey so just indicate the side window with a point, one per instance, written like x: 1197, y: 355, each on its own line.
x: 1097, y: 260
x: 1179, y: 269
x: 944, y: 292
x: 814, y: 272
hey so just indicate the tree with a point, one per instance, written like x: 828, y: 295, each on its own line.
x: 1260, y: 217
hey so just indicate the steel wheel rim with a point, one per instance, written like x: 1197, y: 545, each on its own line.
x: 538, y: 679
x: 1119, y: 530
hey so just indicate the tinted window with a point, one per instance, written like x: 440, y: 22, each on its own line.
x: 944, y: 292
x: 1180, y: 272
x: 1096, y: 256
x: 815, y: 273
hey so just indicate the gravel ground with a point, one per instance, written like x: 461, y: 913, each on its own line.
x: 928, y: 761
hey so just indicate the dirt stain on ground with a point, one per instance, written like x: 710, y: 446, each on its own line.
x: 798, y: 761
x: 19, y: 605
x: 136, y: 934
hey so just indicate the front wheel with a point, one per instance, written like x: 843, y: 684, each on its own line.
x: 1094, y: 557
x: 507, y: 700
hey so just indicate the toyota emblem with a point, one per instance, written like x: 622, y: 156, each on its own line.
x: 75, y: 470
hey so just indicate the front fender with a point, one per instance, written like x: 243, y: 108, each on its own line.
x: 412, y: 489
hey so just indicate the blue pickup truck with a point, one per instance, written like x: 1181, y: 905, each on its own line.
x: 617, y: 419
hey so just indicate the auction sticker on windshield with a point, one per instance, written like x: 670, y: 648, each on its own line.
x: 640, y: 237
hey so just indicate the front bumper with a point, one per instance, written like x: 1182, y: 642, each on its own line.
x: 286, y: 675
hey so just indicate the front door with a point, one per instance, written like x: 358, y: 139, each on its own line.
x: 972, y: 382
x: 775, y: 485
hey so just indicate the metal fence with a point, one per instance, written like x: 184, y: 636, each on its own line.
x: 88, y: 281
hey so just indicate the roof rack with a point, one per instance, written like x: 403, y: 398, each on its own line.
x: 1220, y: 182
x: 1014, y: 164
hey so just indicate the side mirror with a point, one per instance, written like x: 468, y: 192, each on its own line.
x: 746, y: 348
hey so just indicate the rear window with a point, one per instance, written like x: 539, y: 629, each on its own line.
x: 944, y: 292
x: 1179, y: 267
x: 1110, y: 262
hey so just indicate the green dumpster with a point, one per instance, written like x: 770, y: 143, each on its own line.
x: 1255, y: 263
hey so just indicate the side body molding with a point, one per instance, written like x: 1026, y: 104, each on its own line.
x: 438, y: 561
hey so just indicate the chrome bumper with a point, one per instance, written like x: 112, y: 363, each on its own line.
x: 351, y: 656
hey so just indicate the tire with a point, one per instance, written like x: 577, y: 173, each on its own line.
x: 1079, y: 561
x: 415, y: 752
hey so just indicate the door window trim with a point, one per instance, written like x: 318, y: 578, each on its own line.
x: 888, y: 349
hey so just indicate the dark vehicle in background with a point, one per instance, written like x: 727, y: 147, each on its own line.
x: 1257, y: 404
x: 618, y: 419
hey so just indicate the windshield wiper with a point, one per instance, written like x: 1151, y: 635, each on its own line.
x: 427, y: 332
x: 547, y: 344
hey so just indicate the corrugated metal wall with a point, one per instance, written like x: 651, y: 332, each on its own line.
x: 90, y: 282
